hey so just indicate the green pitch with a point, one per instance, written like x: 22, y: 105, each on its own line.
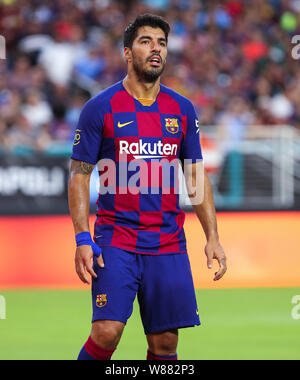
x: 236, y: 324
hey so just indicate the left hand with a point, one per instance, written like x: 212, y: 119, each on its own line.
x: 214, y: 251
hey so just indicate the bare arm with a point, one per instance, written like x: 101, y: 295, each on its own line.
x: 79, y: 194
x: 79, y: 205
x: 205, y: 209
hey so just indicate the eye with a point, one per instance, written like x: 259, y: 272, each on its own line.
x: 145, y: 42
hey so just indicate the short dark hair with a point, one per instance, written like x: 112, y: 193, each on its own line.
x: 144, y: 20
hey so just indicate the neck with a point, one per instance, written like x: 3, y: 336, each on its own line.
x: 139, y: 89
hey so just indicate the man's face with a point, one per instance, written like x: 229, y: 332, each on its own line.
x: 149, y: 52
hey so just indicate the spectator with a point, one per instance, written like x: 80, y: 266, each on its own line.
x: 59, y: 56
x: 35, y: 110
x: 21, y: 74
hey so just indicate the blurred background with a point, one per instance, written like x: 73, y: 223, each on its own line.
x: 235, y: 60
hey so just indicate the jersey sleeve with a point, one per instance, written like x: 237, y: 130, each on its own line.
x: 88, y: 134
x: 191, y: 147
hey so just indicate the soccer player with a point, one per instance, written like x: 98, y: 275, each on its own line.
x: 139, y: 246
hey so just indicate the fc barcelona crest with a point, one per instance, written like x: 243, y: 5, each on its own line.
x: 101, y: 300
x: 172, y: 125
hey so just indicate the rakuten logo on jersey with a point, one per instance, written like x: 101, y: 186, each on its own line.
x: 148, y: 150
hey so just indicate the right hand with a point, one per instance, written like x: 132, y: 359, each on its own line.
x: 84, y: 263
x: 214, y: 251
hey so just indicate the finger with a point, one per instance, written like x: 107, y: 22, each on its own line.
x: 81, y: 272
x: 220, y: 274
x: 96, y: 250
x: 210, y: 255
x: 100, y: 261
x: 89, y: 269
x: 209, y: 262
x: 222, y: 270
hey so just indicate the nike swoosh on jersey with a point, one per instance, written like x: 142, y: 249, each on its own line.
x: 123, y: 125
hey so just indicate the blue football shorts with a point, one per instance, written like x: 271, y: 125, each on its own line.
x: 163, y: 285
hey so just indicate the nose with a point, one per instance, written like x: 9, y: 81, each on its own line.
x: 155, y: 46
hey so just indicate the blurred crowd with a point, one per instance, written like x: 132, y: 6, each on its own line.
x: 232, y: 58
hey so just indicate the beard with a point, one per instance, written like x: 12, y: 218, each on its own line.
x: 147, y: 75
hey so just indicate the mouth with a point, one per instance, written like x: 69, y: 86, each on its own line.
x: 155, y: 61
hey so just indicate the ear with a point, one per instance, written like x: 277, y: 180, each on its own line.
x: 127, y: 54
